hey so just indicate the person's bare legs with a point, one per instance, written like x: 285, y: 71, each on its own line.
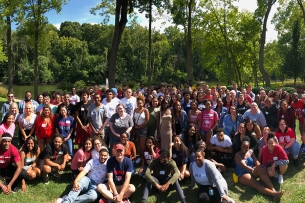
x: 250, y: 181
x: 283, y: 169
x: 41, y: 143
x: 262, y: 174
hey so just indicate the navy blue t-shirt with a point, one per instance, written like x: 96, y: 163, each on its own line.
x: 119, y: 169
x: 177, y: 157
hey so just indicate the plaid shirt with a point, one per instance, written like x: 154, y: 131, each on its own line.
x: 22, y: 104
x: 288, y: 116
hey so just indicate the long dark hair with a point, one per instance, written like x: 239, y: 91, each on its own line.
x: 84, y: 143
x: 162, y: 102
x: 25, y: 148
x: 194, y: 137
x: 6, y: 117
x: 183, y: 148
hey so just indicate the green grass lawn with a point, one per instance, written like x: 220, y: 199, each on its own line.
x: 293, y: 185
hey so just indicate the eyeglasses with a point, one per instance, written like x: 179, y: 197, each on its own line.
x: 10, y: 96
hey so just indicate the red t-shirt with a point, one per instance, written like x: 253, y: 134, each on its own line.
x: 298, y: 107
x: 208, y: 119
x: 208, y: 97
x: 277, y: 154
x: 147, y: 155
x: 284, y: 138
x: 9, y: 156
x: 43, y: 129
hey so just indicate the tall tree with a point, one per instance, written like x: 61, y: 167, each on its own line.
x: 120, y: 8
x: 293, y: 64
x: 9, y: 9
x: 182, y: 12
x: 262, y: 13
x: 35, y: 10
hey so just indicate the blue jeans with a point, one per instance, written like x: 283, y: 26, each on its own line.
x: 86, y: 185
x: 294, y: 149
x: 69, y: 144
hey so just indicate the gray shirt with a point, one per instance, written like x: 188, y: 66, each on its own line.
x: 121, y: 125
x: 97, y: 115
x: 258, y: 118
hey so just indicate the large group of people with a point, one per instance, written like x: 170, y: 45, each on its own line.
x: 172, y: 133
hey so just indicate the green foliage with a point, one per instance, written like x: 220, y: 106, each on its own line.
x: 3, y: 92
x: 64, y: 86
x: 79, y: 84
x: 2, y: 55
x: 290, y: 90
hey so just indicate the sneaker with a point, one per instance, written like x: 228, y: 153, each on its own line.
x: 296, y: 162
x: 55, y: 173
x: 45, y: 179
x: 231, y: 200
x: 59, y: 200
x: 276, y: 175
x: 15, y: 190
x: 280, y: 179
x: 138, y: 160
x: 104, y: 200
x: 126, y: 200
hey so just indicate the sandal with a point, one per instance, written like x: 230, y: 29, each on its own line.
x: 277, y: 195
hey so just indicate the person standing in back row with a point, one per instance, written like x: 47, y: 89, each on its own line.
x: 74, y: 98
x: 129, y: 102
x: 97, y: 117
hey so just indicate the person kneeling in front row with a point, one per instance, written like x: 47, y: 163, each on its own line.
x: 161, y: 178
x: 87, y: 180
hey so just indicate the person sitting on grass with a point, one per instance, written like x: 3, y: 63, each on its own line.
x: 98, y: 144
x: 150, y: 152
x: 248, y: 169
x: 81, y: 157
x: 274, y: 158
x: 221, y: 148
x: 119, y: 169
x: 29, y: 159
x: 158, y: 175
x: 180, y: 154
x: 212, y: 186
x: 55, y: 158
x: 130, y: 149
x: 287, y: 140
x: 10, y: 165
x: 87, y: 180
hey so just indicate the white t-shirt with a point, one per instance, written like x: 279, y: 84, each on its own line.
x: 200, y: 174
x: 110, y: 107
x: 74, y: 99
x: 225, y: 143
x: 129, y: 104
x: 139, y: 118
x: 96, y: 171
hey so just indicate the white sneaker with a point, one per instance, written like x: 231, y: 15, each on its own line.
x: 280, y: 179
x: 138, y: 160
x: 59, y: 200
x: 231, y: 200
x: 276, y: 175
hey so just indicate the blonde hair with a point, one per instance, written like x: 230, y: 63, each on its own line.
x: 10, y: 108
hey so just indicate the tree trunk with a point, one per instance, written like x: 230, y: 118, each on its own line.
x: 149, y: 44
x: 120, y: 23
x: 262, y: 44
x: 302, y: 8
x: 9, y: 53
x: 189, y: 44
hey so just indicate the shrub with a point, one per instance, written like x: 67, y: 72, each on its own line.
x: 65, y: 86
x: 3, y: 92
x: 79, y: 85
x: 290, y: 90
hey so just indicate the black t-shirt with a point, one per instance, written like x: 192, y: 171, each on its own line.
x: 51, y: 153
x: 82, y: 110
x: 242, y: 108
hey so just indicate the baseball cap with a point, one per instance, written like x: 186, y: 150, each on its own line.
x: 119, y: 147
